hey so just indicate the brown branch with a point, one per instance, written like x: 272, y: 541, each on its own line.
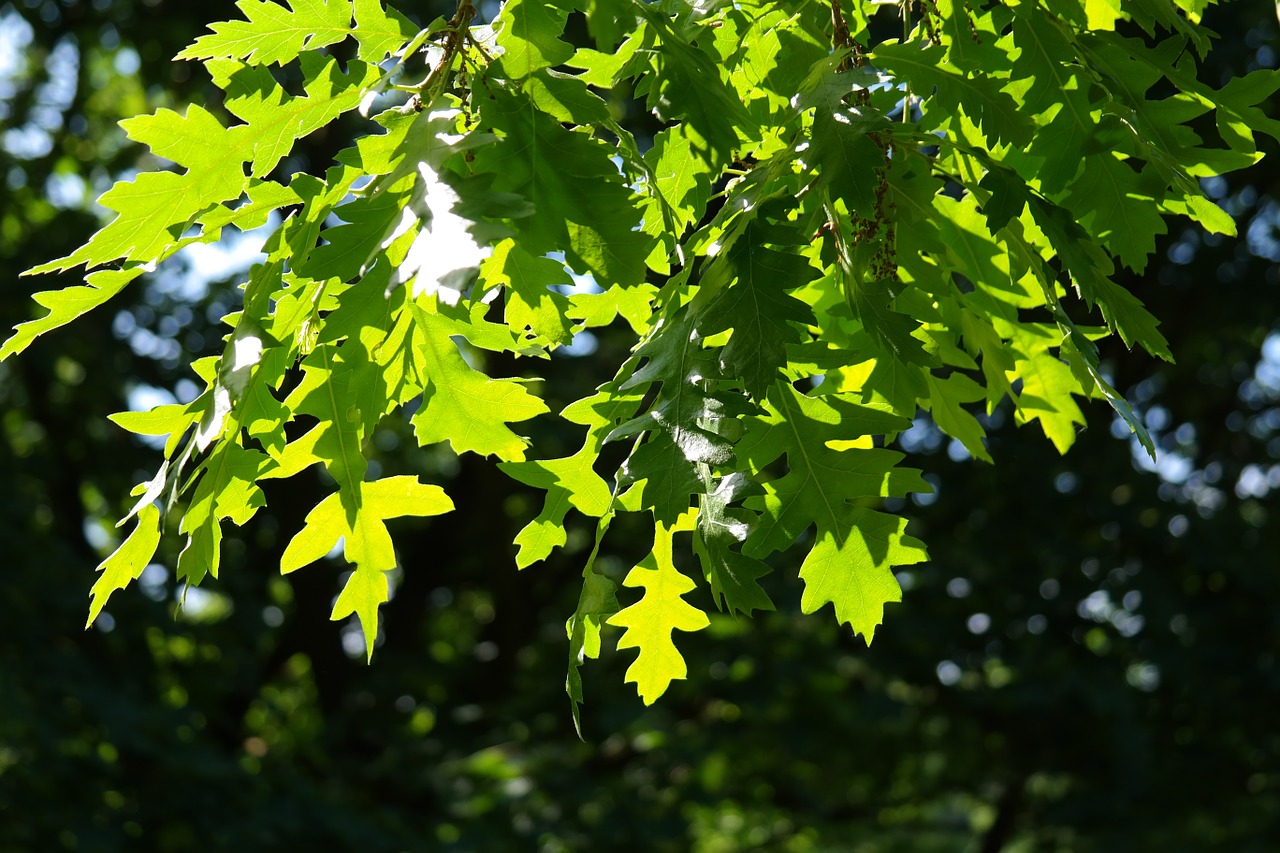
x: 841, y: 39
x: 458, y: 30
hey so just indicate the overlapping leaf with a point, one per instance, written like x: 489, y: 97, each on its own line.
x: 757, y: 307
x: 581, y: 205
x: 687, y: 83
x: 1047, y: 387
x: 228, y: 489
x: 847, y: 158
x: 979, y: 96
x: 1059, y: 90
x: 531, y: 301
x: 463, y: 406
x: 680, y: 429
x: 721, y: 530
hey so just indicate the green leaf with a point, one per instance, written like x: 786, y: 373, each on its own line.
x: 273, y: 118
x: 582, y: 206
x: 336, y: 380
x: 380, y: 33
x: 567, y: 99
x: 946, y: 399
x: 570, y: 481
x: 261, y: 198
x: 1047, y: 386
x: 1091, y: 270
x: 157, y: 207
x: 597, y: 603
x: 462, y: 405
x: 997, y: 362
x: 68, y: 304
x: 366, y: 542
x: 684, y: 174
x: 1108, y: 202
x: 894, y: 386
x: 1214, y: 219
x: 681, y: 426
x: 127, y: 562
x: 687, y: 83
x: 891, y: 331
x: 408, y: 198
x: 273, y: 34
x: 1080, y: 353
x: 1059, y: 90
x: 1102, y: 14
x: 633, y: 304
x: 721, y: 529
x: 756, y: 306
x: 841, y: 141
x: 1009, y: 196
x: 160, y: 420
x: 1125, y: 313
x: 1239, y: 114
x: 528, y: 31
x: 154, y: 209
x: 980, y: 97
x: 850, y: 567
x: 650, y: 621
x: 821, y: 479
x: 227, y: 489
x: 530, y: 301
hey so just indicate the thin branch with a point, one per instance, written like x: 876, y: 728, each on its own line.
x: 459, y: 30
x: 841, y: 39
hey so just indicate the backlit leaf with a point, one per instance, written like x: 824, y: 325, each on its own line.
x: 366, y: 542
x: 649, y: 622
x: 127, y: 562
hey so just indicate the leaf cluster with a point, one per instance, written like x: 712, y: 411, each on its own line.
x: 832, y: 234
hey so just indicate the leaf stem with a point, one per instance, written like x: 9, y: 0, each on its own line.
x: 905, y: 11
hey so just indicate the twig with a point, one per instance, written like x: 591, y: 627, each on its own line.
x: 841, y: 39
x: 459, y: 31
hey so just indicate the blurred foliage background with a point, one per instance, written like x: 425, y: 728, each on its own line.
x: 1088, y: 664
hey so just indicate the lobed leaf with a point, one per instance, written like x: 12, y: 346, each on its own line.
x: 127, y: 562
x: 67, y: 305
x: 274, y: 34
x: 462, y: 405
x: 649, y: 622
x: 360, y: 521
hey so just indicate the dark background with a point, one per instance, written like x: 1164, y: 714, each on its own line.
x: 1088, y: 663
